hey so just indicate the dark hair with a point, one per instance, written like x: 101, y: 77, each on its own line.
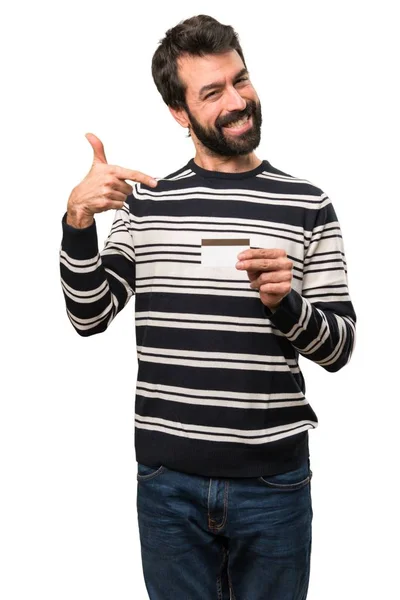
x: 196, y: 36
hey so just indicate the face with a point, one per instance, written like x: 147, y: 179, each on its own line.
x: 223, y: 110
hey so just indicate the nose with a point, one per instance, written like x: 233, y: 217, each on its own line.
x: 234, y: 100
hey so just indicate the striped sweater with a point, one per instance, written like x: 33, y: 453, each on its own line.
x: 219, y: 389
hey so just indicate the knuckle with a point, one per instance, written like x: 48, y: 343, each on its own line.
x: 107, y: 193
x: 283, y: 264
x: 109, y: 180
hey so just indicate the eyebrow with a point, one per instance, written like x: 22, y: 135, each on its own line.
x: 220, y: 84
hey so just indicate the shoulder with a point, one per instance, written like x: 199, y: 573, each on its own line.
x: 287, y: 183
x: 275, y: 174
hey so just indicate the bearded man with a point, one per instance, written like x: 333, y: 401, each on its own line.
x: 237, y: 268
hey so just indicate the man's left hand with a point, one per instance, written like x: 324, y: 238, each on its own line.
x: 270, y: 272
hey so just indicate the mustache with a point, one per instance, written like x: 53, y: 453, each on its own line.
x: 236, y: 115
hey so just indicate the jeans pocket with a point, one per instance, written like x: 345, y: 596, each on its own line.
x: 289, y: 481
x: 144, y: 473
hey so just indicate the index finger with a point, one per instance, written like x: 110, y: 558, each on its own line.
x: 261, y: 253
x: 137, y: 176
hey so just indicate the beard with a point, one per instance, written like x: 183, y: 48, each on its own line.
x: 224, y: 145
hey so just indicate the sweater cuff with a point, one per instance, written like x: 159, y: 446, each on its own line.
x: 289, y: 312
x: 79, y: 243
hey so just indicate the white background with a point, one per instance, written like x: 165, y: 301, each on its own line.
x: 326, y: 73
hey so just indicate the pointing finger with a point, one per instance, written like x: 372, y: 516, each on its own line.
x: 137, y: 176
x: 261, y: 253
x: 262, y: 264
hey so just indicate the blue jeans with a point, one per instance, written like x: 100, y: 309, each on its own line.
x: 225, y: 539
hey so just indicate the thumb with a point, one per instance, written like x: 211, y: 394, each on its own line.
x: 98, y: 148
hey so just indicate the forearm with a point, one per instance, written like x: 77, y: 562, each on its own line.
x: 93, y: 287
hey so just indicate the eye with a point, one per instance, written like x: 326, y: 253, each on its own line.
x: 242, y: 79
x: 210, y: 95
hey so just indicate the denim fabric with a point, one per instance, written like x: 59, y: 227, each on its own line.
x: 206, y: 538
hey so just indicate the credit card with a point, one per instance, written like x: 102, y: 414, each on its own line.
x: 222, y: 252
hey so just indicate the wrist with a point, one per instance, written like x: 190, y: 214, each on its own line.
x: 78, y: 219
x: 273, y: 308
x: 77, y: 216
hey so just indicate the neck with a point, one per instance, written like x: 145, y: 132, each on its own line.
x: 227, y: 164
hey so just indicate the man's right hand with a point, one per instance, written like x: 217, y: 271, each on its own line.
x: 104, y: 188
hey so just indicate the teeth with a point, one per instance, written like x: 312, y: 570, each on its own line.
x: 238, y: 123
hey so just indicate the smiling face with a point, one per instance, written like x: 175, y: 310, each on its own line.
x: 222, y: 107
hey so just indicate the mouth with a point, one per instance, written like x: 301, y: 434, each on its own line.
x: 240, y: 126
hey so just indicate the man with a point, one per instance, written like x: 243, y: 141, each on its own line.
x: 222, y: 422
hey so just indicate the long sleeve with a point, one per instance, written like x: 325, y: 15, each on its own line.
x: 97, y: 286
x: 320, y: 322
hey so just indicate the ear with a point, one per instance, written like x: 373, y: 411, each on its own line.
x: 180, y: 115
